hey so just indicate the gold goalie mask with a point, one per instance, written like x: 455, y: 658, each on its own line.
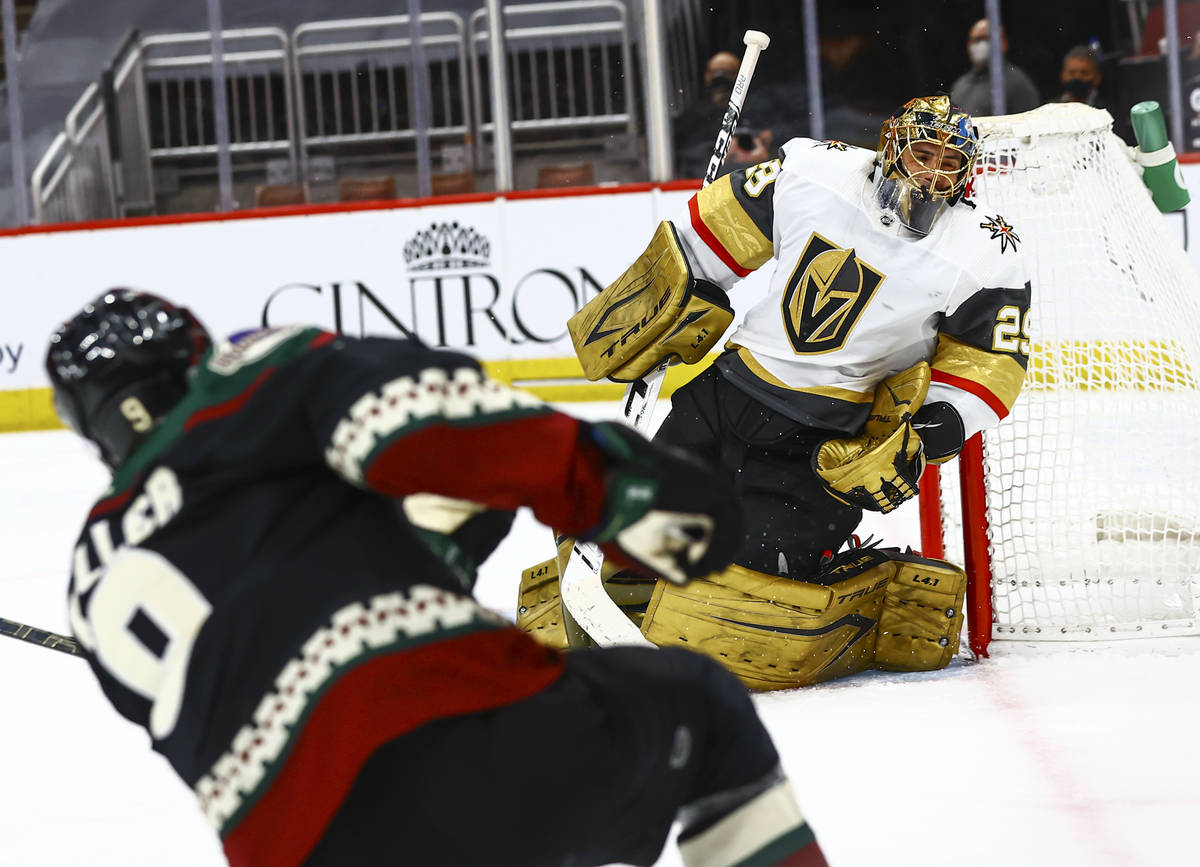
x: 926, y: 156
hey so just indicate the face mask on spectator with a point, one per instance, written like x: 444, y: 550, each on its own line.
x: 721, y: 86
x: 978, y: 51
x: 1077, y: 88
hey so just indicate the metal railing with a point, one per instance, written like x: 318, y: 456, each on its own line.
x: 177, y: 68
x: 354, y: 79
x: 123, y: 83
x: 333, y: 85
x: 74, y: 179
x: 562, y: 76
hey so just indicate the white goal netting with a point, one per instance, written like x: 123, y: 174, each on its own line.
x: 1093, y: 482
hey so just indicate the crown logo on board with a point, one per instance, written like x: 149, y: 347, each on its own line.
x: 447, y: 245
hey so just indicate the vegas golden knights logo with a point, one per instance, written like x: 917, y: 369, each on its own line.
x: 825, y: 296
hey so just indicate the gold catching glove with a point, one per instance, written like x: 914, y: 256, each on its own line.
x: 879, y: 468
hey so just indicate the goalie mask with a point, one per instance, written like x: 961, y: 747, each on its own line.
x: 119, y: 365
x: 926, y: 156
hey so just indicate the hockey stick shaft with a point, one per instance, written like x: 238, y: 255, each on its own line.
x: 641, y: 394
x: 756, y: 42
x: 582, y: 591
x: 43, y: 637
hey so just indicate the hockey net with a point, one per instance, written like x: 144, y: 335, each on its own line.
x: 1081, y: 509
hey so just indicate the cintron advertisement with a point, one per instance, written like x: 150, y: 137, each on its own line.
x: 497, y: 278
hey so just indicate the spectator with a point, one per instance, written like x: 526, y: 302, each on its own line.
x: 973, y: 89
x: 1080, y: 77
x: 856, y: 101
x: 696, y: 129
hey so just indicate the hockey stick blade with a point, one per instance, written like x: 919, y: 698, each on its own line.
x: 583, y: 593
x: 41, y: 637
x: 578, y: 589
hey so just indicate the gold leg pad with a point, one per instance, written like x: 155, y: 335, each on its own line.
x: 539, y: 606
x: 922, y: 616
x: 767, y: 643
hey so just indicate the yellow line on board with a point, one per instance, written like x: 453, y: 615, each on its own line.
x: 538, y: 375
x: 28, y: 409
x: 1138, y: 365
x: 552, y: 379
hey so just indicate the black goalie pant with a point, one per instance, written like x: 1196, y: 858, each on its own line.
x: 590, y: 771
x: 768, y: 455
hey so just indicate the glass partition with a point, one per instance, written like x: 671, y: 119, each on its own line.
x: 379, y: 99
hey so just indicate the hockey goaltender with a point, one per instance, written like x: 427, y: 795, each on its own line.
x: 895, y: 326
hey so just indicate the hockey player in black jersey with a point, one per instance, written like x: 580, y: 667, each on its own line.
x: 305, y: 651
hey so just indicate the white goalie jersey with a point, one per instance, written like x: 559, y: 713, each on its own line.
x: 855, y: 296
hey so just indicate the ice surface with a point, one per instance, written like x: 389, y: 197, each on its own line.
x: 1045, y: 756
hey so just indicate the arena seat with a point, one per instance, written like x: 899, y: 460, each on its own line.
x: 454, y: 184
x: 568, y: 175
x: 366, y: 189
x: 271, y: 195
x: 1155, y: 27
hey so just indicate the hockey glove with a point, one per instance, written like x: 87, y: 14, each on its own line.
x: 463, y: 534
x: 877, y: 475
x: 879, y: 469
x: 941, y: 430
x: 666, y: 513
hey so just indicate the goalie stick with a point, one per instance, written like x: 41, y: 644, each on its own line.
x: 582, y: 591
x: 42, y: 637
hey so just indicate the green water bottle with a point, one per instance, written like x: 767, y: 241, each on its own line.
x: 1156, y: 156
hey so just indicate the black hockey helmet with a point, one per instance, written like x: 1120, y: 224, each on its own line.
x: 120, y: 364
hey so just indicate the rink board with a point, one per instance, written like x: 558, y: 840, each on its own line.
x: 496, y: 277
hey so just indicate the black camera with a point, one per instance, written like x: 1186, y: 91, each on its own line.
x: 745, y: 141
